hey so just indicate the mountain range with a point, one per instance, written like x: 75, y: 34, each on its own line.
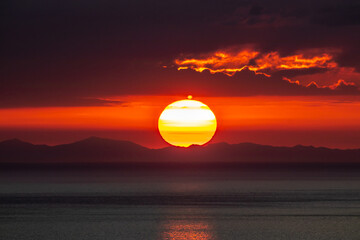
x: 100, y: 151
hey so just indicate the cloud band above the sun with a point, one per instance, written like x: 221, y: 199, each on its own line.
x: 232, y: 60
x: 229, y: 61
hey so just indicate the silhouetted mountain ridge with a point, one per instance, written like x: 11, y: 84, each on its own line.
x: 101, y: 150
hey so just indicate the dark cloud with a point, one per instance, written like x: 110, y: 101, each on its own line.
x: 49, y: 100
x: 290, y: 73
x: 57, y: 52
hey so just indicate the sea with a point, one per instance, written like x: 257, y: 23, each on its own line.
x: 184, y: 205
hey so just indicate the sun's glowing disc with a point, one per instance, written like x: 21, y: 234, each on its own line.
x: 187, y: 122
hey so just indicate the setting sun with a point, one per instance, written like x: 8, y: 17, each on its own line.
x: 187, y: 122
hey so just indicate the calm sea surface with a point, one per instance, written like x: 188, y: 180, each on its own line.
x: 105, y: 205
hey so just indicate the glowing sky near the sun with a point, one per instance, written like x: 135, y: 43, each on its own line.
x: 141, y: 113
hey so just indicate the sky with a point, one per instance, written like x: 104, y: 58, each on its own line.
x: 273, y: 72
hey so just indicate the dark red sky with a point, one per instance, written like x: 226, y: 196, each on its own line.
x: 286, y: 69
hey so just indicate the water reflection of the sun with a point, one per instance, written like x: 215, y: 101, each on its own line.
x: 187, y: 222
x: 186, y: 230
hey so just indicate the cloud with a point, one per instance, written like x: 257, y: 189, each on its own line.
x: 306, y: 62
x: 229, y: 61
x: 46, y: 100
x: 342, y: 85
x: 226, y: 61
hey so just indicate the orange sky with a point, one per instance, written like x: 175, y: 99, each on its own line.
x: 142, y: 112
x: 233, y: 114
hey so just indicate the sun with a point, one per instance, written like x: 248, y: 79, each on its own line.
x: 187, y: 122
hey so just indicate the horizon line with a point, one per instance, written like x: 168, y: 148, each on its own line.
x: 178, y: 147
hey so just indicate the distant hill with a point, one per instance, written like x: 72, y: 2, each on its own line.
x: 99, y: 151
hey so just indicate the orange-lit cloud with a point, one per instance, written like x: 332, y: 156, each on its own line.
x: 230, y: 61
x: 330, y: 77
x: 298, y: 61
x: 312, y: 68
x: 291, y: 81
x: 341, y: 83
x: 220, y: 61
